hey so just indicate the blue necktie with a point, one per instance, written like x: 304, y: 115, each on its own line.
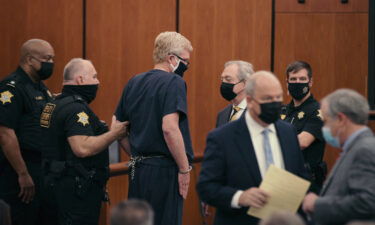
x: 267, y: 148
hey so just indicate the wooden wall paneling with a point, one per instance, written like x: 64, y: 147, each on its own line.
x: 58, y: 22
x: 220, y: 30
x: 120, y: 38
x: 334, y: 44
x: 321, y: 6
x: 307, y: 37
x: 351, y: 52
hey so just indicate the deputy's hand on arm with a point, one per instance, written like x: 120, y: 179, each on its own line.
x: 120, y: 129
x: 253, y: 197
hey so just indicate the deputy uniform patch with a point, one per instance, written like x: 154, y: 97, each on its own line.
x: 83, y: 118
x: 6, y: 97
x: 45, y: 118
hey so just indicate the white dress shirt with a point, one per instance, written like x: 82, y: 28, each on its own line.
x: 255, y: 130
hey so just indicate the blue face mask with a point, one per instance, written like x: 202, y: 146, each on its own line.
x: 327, y: 135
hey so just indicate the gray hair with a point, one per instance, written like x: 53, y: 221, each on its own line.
x: 251, y: 83
x: 132, y: 212
x: 75, y: 66
x: 245, y: 69
x: 361, y: 223
x: 350, y: 103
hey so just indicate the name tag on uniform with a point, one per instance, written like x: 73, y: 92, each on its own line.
x: 39, y: 98
x: 45, y: 118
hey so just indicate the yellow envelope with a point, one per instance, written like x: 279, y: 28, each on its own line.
x: 286, y: 192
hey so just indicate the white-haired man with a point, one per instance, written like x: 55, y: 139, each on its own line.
x: 232, y: 88
x: 155, y: 104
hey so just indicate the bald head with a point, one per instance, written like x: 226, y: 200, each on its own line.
x: 262, y: 81
x: 80, y: 71
x: 264, y: 97
x: 37, y: 48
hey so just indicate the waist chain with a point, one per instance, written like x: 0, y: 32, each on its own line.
x: 134, y: 160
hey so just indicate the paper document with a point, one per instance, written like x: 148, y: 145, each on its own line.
x: 286, y: 192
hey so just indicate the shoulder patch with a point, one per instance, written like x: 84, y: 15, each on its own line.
x: 45, y: 118
x: 6, y: 97
x: 83, y: 118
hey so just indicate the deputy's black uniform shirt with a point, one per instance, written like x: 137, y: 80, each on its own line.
x: 146, y: 99
x: 63, y: 121
x: 307, y: 117
x: 21, y: 103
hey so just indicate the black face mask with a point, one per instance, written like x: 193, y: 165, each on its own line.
x: 45, y: 71
x: 226, y: 90
x: 270, y: 112
x: 181, y: 68
x: 298, y: 90
x: 87, y: 92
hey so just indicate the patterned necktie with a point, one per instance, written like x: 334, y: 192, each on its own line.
x: 267, y: 148
x: 235, y: 114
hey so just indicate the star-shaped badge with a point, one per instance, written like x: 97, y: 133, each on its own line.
x: 6, y: 97
x: 301, y: 115
x: 83, y: 118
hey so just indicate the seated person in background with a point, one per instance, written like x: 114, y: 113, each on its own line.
x: 361, y: 223
x: 282, y: 218
x: 132, y: 212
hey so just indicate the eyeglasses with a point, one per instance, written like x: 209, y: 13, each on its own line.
x: 182, y: 59
x: 47, y: 58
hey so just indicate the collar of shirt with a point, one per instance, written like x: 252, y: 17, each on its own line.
x: 255, y: 127
x: 25, y: 78
x: 307, y: 101
x: 242, y: 104
x: 351, y: 138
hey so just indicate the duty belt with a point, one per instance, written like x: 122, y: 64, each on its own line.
x: 134, y: 160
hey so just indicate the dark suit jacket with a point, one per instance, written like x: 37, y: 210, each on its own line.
x: 223, y: 115
x: 230, y: 165
x: 349, y: 191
